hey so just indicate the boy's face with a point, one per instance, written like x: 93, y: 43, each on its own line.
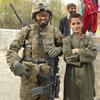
x: 76, y: 25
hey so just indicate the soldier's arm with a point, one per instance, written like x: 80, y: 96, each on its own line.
x: 58, y: 40
x: 15, y: 46
x: 56, y: 49
x: 58, y: 37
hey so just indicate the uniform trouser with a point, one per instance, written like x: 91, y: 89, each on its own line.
x: 25, y: 91
x: 92, y: 20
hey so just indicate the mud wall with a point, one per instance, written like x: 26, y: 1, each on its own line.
x: 6, y: 37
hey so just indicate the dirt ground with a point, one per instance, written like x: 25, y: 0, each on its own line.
x: 9, y: 84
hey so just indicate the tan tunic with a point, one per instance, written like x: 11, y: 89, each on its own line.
x: 79, y: 76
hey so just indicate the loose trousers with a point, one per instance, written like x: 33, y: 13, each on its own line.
x: 90, y: 20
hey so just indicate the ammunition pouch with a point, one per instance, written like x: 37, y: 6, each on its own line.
x: 43, y: 76
x: 33, y: 71
x: 43, y: 79
x: 35, y: 68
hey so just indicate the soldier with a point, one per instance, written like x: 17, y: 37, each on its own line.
x: 41, y: 42
x: 79, y: 53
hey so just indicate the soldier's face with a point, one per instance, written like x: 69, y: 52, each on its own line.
x: 42, y: 18
x: 72, y: 10
x: 76, y: 25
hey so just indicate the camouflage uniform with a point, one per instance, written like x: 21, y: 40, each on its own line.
x: 50, y: 37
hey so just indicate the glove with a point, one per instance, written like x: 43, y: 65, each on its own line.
x: 21, y: 70
x: 54, y: 51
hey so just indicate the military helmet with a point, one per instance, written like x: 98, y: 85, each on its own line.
x: 38, y: 8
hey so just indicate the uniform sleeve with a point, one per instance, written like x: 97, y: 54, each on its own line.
x: 69, y: 58
x: 88, y: 54
x: 15, y: 46
x: 57, y: 38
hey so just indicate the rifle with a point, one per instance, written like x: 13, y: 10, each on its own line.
x: 23, y: 24
x: 50, y: 83
x: 50, y: 88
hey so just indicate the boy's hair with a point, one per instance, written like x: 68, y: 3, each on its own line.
x: 74, y: 15
x: 71, y: 5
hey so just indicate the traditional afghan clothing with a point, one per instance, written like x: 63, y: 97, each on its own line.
x: 79, y: 76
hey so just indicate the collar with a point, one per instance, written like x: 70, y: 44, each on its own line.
x: 68, y: 16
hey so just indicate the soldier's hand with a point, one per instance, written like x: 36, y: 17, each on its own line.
x: 21, y: 70
x: 53, y: 52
